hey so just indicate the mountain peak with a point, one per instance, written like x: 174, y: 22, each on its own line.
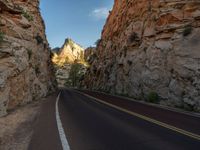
x: 69, y: 52
x: 70, y: 42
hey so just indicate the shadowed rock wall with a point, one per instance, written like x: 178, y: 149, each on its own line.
x: 150, y: 46
x: 25, y: 67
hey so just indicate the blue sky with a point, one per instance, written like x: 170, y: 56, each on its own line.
x: 81, y: 20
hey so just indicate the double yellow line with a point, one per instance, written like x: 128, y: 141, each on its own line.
x: 184, y: 132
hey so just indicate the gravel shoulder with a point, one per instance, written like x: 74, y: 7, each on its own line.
x: 17, y: 127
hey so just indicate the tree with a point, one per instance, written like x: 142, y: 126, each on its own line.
x: 75, y: 74
x: 82, y: 56
x: 97, y: 42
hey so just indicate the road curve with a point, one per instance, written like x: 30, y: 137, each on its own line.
x: 90, y: 125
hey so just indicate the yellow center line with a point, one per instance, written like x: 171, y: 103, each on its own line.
x: 184, y: 132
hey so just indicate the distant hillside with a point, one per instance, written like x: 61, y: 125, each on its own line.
x: 68, y: 53
x: 55, y: 50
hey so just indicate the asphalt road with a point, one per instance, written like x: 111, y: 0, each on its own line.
x: 91, y: 125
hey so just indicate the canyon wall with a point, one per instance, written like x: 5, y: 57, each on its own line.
x: 150, y: 46
x: 25, y: 65
x: 88, y: 53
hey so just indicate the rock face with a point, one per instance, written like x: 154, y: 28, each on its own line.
x: 89, y: 52
x: 64, y: 57
x: 25, y: 66
x: 62, y: 74
x: 150, y: 46
x: 69, y: 52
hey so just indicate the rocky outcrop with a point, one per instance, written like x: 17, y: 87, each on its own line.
x: 25, y: 65
x: 150, y: 46
x: 62, y: 74
x: 68, y: 53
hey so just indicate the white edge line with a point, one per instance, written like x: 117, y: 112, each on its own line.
x: 61, y: 131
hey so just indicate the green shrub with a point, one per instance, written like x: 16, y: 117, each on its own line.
x: 129, y: 62
x: 153, y: 97
x: 27, y: 16
x: 133, y: 38
x: 76, y: 74
x: 18, y: 8
x: 123, y: 94
x: 1, y: 36
x: 68, y: 83
x: 188, y: 107
x: 29, y: 53
x: 187, y: 30
x: 37, y: 70
x: 39, y: 39
x: 97, y: 42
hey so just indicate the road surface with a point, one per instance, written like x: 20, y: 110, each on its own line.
x: 89, y: 124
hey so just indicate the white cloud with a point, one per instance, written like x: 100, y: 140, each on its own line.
x: 100, y: 13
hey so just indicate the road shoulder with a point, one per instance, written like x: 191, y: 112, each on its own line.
x: 45, y: 134
x: 16, y: 128
x: 175, y: 119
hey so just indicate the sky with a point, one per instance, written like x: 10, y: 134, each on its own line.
x: 80, y: 20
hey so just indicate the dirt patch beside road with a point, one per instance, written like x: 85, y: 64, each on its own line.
x: 17, y: 127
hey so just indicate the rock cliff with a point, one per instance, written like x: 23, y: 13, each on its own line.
x: 150, y: 46
x: 89, y: 52
x: 25, y: 66
x: 68, y: 53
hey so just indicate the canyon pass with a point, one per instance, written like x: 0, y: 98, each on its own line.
x: 63, y: 59
x: 25, y: 65
x: 150, y: 47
